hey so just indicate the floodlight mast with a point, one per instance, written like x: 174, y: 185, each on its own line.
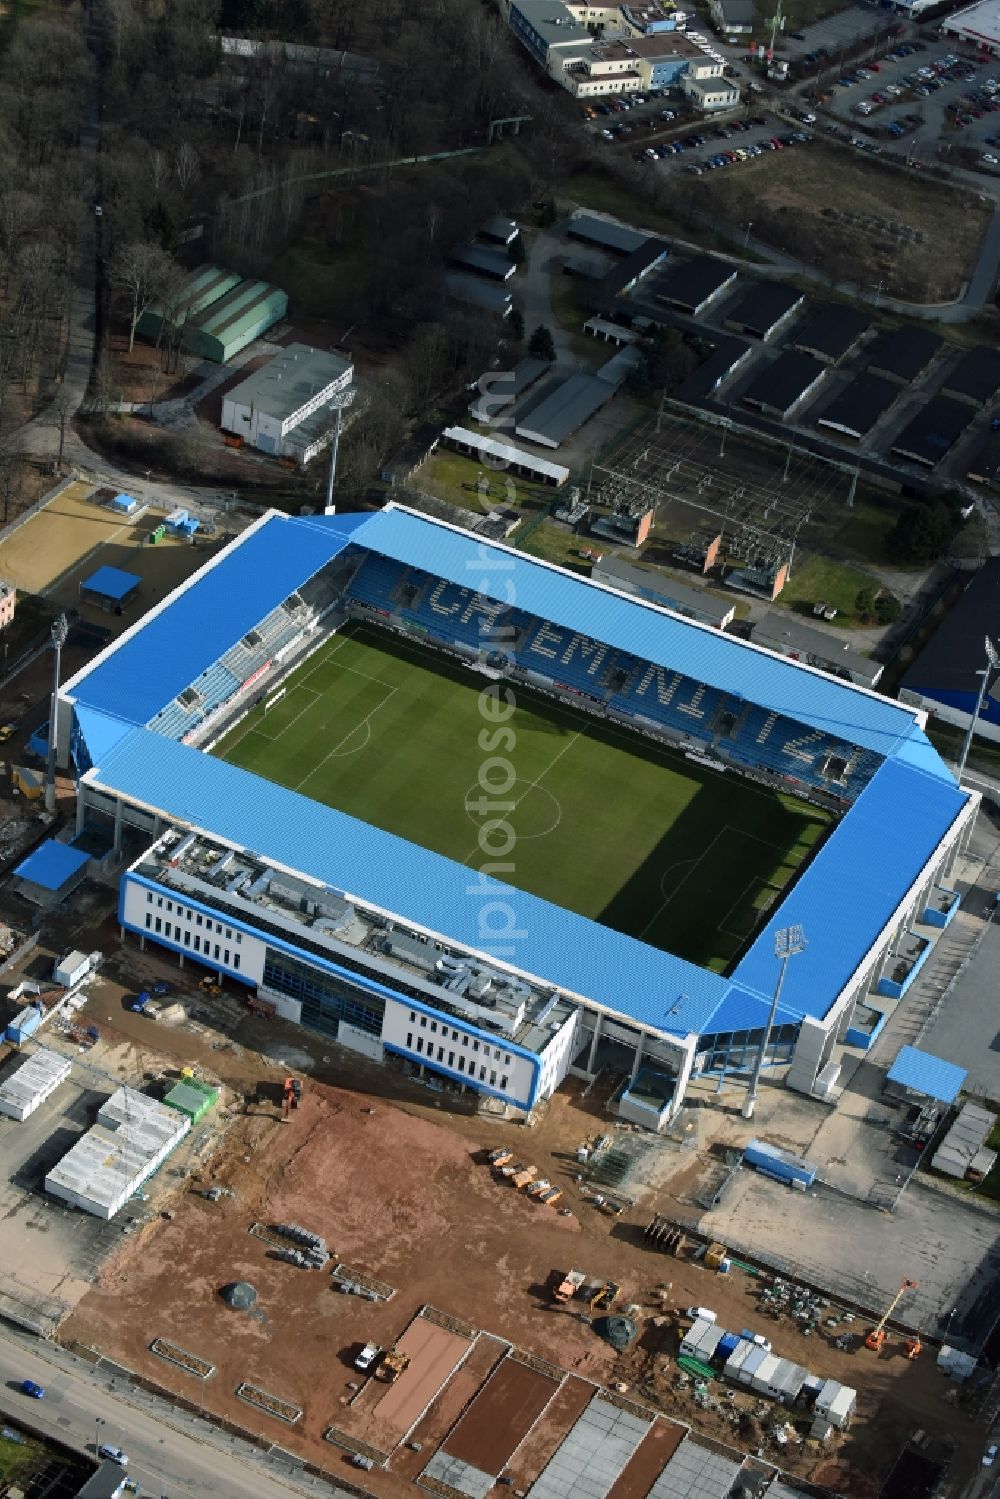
x: 788, y: 941
x: 341, y: 400
x: 59, y: 631
x: 992, y: 662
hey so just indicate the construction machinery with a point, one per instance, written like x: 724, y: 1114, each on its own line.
x: 606, y: 1296
x: 392, y: 1366
x: 566, y: 1288
x: 877, y: 1337
x: 912, y: 1347
x: 291, y: 1095
x: 524, y: 1176
x: 500, y: 1157
x: 210, y: 986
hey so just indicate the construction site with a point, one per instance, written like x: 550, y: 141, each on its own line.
x: 388, y: 1289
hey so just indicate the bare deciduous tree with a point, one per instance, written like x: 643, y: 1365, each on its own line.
x: 140, y: 270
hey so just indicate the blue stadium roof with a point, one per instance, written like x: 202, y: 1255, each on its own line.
x: 111, y: 582
x: 630, y: 624
x: 173, y: 646
x: 927, y: 1074
x: 852, y: 887
x: 566, y: 950
x: 51, y: 864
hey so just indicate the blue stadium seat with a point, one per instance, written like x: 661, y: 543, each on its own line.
x: 746, y: 734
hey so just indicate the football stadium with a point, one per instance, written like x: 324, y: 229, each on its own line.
x: 457, y: 807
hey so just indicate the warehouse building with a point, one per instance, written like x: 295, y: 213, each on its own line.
x: 732, y: 17
x: 856, y: 409
x: 764, y: 309
x: 710, y: 94
x: 696, y: 284
x: 470, y: 291
x: 729, y: 355
x: 789, y: 637
x: 905, y: 354
x: 978, y: 24
x: 944, y: 678
x: 286, y: 407
x: 562, y: 410
x: 133, y: 1136
x: 35, y: 1080
x: 110, y: 589
x: 831, y: 334
x: 976, y: 377
x: 504, y: 455
x: 499, y: 389
x: 785, y: 384
x: 483, y: 260
x: 660, y: 588
x: 605, y: 234
x: 205, y: 286
x: 499, y: 230
x: 933, y: 432
x: 226, y: 327
x: 984, y: 465
x: 626, y: 275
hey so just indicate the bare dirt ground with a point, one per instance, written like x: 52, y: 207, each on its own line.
x: 72, y: 536
x: 397, y: 1187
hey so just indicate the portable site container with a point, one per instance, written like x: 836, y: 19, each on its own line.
x: 34, y: 1081
x: 751, y: 1364
x: 692, y: 1340
x: 780, y: 1164
x: 835, y: 1403
x: 24, y: 1025
x: 728, y: 1344
x: 763, y: 1376
x: 736, y: 1360
x: 788, y: 1379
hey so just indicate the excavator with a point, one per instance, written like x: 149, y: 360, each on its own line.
x: 876, y: 1339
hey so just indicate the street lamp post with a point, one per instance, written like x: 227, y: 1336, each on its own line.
x: 746, y: 237
x: 992, y: 662
x: 98, y: 1423
x: 788, y: 941
x: 59, y: 631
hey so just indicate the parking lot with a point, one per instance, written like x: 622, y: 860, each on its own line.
x: 929, y: 97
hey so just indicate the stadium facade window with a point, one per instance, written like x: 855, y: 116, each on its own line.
x: 225, y: 956
x: 159, y: 901
x: 149, y: 897
x: 420, y: 1043
x: 475, y: 1045
x: 236, y: 960
x: 149, y: 921
x: 239, y: 938
x: 493, y: 1079
x: 434, y: 1026
x: 506, y: 1058
x: 423, y: 1022
x: 409, y: 1039
x: 461, y: 1064
x: 326, y: 998
x: 187, y: 939
x: 413, y: 1017
x: 197, y: 943
x: 198, y: 919
x: 159, y: 924
x: 504, y: 1081
x: 451, y: 1059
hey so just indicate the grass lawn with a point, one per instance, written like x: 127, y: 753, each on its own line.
x: 554, y: 544
x: 861, y: 534
x: 818, y: 578
x: 609, y: 825
x: 858, y: 218
x: 454, y: 477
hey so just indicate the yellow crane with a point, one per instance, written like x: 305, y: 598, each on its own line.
x: 876, y: 1338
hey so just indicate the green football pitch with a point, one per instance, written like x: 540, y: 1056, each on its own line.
x: 601, y: 821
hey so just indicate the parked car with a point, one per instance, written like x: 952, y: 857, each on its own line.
x: 990, y: 1455
x: 113, y: 1454
x: 367, y: 1356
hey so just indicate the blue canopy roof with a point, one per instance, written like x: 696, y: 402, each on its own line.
x: 51, y: 864
x: 633, y: 625
x: 172, y: 646
x: 111, y: 583
x: 927, y: 1074
x: 565, y: 950
x: 849, y: 892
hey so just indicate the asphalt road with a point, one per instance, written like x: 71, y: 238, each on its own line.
x: 166, y: 1461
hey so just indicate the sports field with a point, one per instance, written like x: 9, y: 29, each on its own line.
x: 606, y: 823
